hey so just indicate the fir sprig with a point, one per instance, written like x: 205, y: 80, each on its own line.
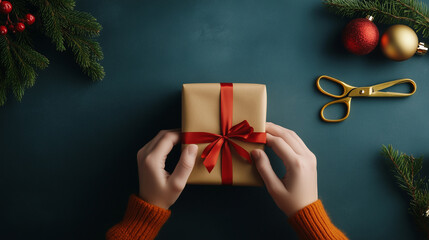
x: 66, y: 27
x: 73, y: 29
x: 18, y: 63
x: 406, y: 170
x: 411, y: 12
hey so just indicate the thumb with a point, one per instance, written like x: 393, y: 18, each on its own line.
x: 184, y: 167
x: 274, y: 185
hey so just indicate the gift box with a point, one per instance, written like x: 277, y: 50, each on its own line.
x: 227, y: 122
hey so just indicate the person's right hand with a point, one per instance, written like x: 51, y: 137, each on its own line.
x: 298, y: 188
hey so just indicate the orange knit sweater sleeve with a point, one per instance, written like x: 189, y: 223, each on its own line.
x: 312, y: 222
x: 142, y: 221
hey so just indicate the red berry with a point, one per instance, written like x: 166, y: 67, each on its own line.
x: 20, y: 27
x: 29, y: 19
x: 3, y: 30
x: 5, y: 7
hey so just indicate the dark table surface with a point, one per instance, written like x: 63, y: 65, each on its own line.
x: 67, y: 151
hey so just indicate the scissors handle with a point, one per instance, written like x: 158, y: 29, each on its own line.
x: 347, y: 101
x: 346, y: 88
x: 378, y: 87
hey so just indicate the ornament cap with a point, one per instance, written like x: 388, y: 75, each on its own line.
x: 421, y: 49
x: 370, y: 18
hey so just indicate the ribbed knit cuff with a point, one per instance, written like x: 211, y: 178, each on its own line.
x: 142, y: 220
x: 312, y: 222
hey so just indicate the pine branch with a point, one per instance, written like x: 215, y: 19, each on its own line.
x: 406, y: 170
x: 3, y: 85
x: 18, y: 63
x: 52, y: 25
x: 411, y: 12
x: 75, y: 30
x: 64, y: 26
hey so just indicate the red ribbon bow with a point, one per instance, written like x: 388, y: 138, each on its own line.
x: 242, y: 131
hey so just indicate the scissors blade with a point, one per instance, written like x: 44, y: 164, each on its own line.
x: 378, y: 87
x: 391, y: 94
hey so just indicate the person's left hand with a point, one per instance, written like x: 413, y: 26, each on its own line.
x: 157, y: 186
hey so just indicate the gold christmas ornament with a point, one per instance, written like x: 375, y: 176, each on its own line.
x: 400, y: 42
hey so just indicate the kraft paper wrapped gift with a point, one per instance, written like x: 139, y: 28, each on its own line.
x: 226, y: 121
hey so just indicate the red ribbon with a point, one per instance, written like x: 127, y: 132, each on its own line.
x: 242, y: 131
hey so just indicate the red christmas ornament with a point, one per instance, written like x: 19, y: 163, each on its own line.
x: 20, y: 27
x: 360, y: 36
x: 5, y: 7
x: 29, y: 19
x: 3, y: 30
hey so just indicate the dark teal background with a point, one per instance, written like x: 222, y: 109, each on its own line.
x: 68, y: 150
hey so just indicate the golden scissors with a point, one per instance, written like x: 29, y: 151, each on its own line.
x: 350, y: 91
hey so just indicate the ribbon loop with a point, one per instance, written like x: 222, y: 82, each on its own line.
x: 242, y: 130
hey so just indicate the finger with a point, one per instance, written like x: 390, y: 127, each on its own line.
x: 289, y: 136
x: 159, y: 136
x: 180, y: 175
x: 148, y: 147
x: 164, y: 144
x: 274, y: 185
x: 282, y: 149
